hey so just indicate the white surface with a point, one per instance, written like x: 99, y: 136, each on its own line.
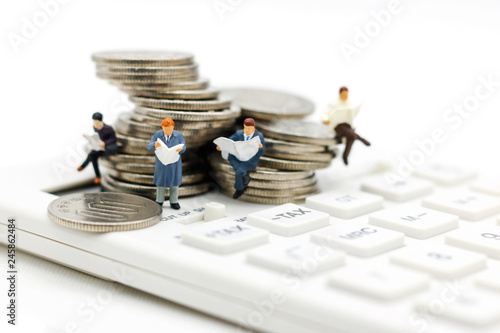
x: 428, y: 58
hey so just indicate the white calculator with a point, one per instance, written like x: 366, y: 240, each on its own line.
x: 363, y: 256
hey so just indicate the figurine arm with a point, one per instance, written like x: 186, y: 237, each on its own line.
x: 151, y: 144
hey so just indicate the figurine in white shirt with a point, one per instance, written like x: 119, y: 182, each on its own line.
x: 339, y: 117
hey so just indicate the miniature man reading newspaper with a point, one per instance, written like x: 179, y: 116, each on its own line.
x: 339, y: 117
x: 167, y: 145
x: 243, y: 150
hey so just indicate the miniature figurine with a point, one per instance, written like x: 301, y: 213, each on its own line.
x: 169, y: 174
x: 241, y: 167
x: 339, y: 117
x: 105, y: 145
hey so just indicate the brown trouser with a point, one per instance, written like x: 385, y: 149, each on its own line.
x: 345, y: 130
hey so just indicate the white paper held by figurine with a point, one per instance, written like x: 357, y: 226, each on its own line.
x: 94, y: 140
x: 167, y: 155
x: 242, y: 150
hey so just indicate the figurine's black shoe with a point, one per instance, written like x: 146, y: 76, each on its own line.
x: 238, y: 194
x: 175, y: 206
x: 159, y: 203
x: 246, y: 180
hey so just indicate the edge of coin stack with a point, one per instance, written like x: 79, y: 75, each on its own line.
x: 161, y: 84
x: 294, y: 149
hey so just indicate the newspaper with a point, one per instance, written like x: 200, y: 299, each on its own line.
x: 167, y: 155
x: 93, y: 139
x: 242, y: 150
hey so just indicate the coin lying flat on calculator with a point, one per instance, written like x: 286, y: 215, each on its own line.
x: 104, y: 212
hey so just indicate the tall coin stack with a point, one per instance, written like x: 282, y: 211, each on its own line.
x: 161, y: 84
x: 294, y: 148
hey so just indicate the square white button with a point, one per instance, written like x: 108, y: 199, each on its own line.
x: 364, y: 241
x: 345, y: 205
x: 414, y: 221
x: 468, y: 205
x: 398, y: 190
x: 289, y: 219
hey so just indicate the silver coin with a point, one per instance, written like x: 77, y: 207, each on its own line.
x: 147, y: 79
x: 297, y: 131
x: 291, y: 165
x: 143, y: 58
x: 268, y: 104
x: 196, y: 95
x: 228, y: 186
x: 104, y: 212
x: 208, y: 116
x: 160, y: 71
x: 177, y: 104
x: 110, y: 184
x: 163, y: 87
x: 292, y: 156
x: 286, y: 146
x: 146, y: 169
x: 267, y: 200
x: 135, y: 129
x: 145, y: 179
x: 184, y: 125
x: 261, y: 173
x: 269, y: 184
x: 127, y: 159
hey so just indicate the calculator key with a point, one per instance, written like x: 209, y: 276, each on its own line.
x: 463, y: 304
x: 223, y: 236
x: 447, y: 175
x: 483, y: 239
x: 491, y: 186
x: 489, y: 279
x: 468, y: 205
x: 387, y: 282
x: 442, y: 261
x: 365, y: 241
x: 413, y: 221
x: 307, y: 257
x: 289, y: 219
x: 398, y: 189
x: 345, y: 205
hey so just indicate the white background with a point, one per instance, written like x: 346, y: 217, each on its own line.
x: 427, y: 58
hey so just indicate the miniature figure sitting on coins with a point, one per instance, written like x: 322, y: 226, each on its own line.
x: 339, y: 117
x: 170, y: 174
x: 105, y: 146
x: 241, y: 167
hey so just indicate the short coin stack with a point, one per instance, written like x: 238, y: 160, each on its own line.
x: 294, y: 148
x: 161, y: 84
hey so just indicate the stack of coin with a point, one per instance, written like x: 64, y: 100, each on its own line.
x: 293, y: 148
x: 296, y: 145
x: 162, y: 85
x: 268, y: 185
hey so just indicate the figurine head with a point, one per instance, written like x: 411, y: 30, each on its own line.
x: 167, y: 125
x: 343, y: 94
x: 97, y: 119
x: 249, y: 126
